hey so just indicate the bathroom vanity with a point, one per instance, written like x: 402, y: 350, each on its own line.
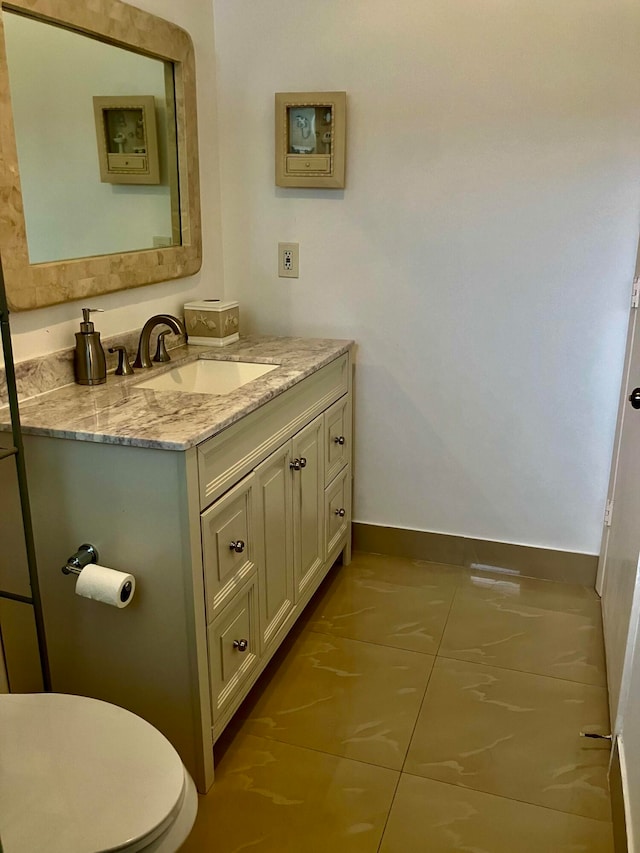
x: 229, y: 509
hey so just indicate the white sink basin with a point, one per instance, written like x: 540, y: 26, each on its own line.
x: 208, y: 377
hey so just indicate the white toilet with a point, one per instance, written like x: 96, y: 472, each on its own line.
x: 81, y: 776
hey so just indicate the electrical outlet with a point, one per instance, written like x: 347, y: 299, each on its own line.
x: 288, y: 260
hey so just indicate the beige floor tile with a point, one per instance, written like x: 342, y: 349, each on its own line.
x: 502, y: 591
x: 502, y: 632
x: 361, y: 602
x: 271, y: 797
x: 515, y: 735
x: 402, y: 570
x: 431, y: 817
x: 343, y: 697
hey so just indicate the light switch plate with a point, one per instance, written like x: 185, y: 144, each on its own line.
x: 288, y: 260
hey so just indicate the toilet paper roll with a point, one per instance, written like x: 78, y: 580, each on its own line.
x: 106, y: 585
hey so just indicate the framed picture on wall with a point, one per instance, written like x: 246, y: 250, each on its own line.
x: 127, y: 139
x: 310, y: 139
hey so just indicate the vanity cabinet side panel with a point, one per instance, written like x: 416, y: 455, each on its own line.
x: 133, y: 504
x: 14, y: 573
x: 19, y: 646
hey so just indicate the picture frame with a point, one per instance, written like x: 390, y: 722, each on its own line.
x: 310, y: 139
x: 127, y: 139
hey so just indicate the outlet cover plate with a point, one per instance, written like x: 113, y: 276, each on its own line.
x: 288, y: 260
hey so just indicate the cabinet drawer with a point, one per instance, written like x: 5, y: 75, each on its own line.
x: 229, y: 664
x: 127, y: 162
x: 225, y: 458
x: 304, y: 163
x: 337, y: 510
x: 228, y: 545
x: 337, y: 438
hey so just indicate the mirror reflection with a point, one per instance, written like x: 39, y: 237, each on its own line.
x: 70, y: 211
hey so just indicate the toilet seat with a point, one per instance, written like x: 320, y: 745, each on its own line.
x: 78, y: 775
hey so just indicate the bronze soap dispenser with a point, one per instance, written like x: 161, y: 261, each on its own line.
x: 89, y: 361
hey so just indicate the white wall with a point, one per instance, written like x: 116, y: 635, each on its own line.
x: 481, y: 253
x: 49, y: 329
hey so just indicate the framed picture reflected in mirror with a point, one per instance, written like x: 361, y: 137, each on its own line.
x: 127, y: 139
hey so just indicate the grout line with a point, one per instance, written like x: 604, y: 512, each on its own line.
x: 507, y: 799
x: 404, y: 586
x: 446, y: 621
x: 386, y: 820
x: 449, y: 656
x: 368, y: 642
x: 415, y: 725
x: 318, y: 750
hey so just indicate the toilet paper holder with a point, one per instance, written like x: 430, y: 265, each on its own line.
x: 76, y: 562
x: 125, y: 584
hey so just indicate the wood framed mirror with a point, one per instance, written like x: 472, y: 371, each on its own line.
x: 43, y: 266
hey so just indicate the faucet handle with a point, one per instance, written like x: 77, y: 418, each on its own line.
x: 161, y: 349
x: 123, y: 368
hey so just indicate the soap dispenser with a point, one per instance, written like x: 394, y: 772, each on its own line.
x: 89, y: 361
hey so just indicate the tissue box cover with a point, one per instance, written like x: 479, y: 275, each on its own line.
x: 212, y: 323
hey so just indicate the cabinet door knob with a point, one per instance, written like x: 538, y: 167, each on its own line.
x: 341, y: 512
x: 237, y: 546
x: 295, y: 465
x: 303, y: 462
x: 339, y: 439
x: 241, y: 645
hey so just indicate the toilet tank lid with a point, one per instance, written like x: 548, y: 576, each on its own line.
x: 81, y: 774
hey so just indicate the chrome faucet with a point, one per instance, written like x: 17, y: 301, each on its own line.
x: 143, y: 358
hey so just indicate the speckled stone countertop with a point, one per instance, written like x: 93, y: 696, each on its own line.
x: 118, y: 412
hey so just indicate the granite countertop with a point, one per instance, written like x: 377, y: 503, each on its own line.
x: 120, y: 413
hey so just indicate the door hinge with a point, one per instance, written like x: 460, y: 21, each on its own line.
x: 635, y: 296
x: 608, y: 513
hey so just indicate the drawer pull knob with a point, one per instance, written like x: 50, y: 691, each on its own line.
x: 303, y: 462
x: 237, y: 546
x: 241, y: 645
x: 339, y: 439
x: 295, y: 464
x: 341, y: 512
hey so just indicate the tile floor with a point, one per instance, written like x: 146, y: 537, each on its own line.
x: 421, y: 708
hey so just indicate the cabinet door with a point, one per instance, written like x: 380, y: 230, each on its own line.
x: 275, y: 541
x: 233, y: 651
x: 337, y: 437
x: 308, y: 503
x: 338, y: 511
x: 228, y: 545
